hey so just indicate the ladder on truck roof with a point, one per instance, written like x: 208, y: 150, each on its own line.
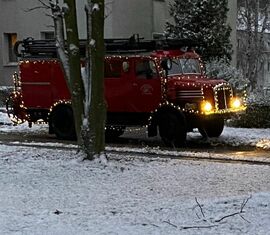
x: 30, y: 47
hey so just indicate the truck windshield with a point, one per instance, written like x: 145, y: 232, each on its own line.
x: 184, y: 66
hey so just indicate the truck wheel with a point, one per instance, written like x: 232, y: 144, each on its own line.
x: 62, y: 122
x: 212, y: 127
x: 173, y: 129
x: 112, y: 133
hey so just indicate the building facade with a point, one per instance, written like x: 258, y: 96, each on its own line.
x: 23, y: 18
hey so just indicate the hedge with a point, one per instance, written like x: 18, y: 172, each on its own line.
x: 256, y: 116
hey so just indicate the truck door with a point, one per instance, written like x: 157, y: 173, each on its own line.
x: 36, y: 83
x: 117, y: 85
x: 146, y: 86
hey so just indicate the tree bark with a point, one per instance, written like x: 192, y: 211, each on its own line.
x: 75, y: 81
x: 87, y: 92
x: 95, y: 74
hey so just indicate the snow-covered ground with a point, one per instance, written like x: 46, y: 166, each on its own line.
x: 50, y: 191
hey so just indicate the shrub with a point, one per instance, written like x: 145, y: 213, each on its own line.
x: 257, y: 114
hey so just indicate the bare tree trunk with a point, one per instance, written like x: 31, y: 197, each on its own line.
x: 75, y: 81
x: 95, y: 75
x: 60, y: 38
x: 87, y: 92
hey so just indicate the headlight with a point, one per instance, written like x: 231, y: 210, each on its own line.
x: 236, y: 103
x: 207, y: 106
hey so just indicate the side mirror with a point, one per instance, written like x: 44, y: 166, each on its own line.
x: 166, y: 64
x: 125, y: 66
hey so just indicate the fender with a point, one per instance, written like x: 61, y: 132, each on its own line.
x: 155, y: 116
x: 61, y: 120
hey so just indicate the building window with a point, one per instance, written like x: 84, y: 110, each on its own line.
x: 47, y: 35
x: 10, y: 39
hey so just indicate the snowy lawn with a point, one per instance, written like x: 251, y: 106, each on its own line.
x: 50, y: 191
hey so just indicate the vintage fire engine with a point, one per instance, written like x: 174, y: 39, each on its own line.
x: 158, y: 84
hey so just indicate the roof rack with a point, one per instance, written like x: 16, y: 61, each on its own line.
x: 30, y: 47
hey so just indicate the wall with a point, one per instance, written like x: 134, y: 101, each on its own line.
x: 16, y: 18
x: 123, y: 18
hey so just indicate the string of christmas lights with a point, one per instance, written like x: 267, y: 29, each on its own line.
x: 192, y: 109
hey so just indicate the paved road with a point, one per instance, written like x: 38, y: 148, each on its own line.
x: 136, y: 138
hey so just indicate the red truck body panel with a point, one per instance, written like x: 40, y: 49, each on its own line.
x: 42, y: 83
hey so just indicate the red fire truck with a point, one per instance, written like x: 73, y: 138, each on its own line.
x: 160, y: 84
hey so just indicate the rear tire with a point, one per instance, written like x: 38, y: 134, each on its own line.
x: 212, y: 127
x: 113, y: 133
x: 173, y: 129
x: 62, y: 122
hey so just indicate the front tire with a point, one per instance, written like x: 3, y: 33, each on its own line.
x: 212, y: 127
x: 173, y: 129
x: 62, y: 122
x: 113, y: 133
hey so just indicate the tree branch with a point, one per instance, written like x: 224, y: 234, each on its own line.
x: 199, y: 207
x: 168, y: 222
x: 236, y: 213
x: 199, y: 226
x: 44, y: 6
x: 227, y: 216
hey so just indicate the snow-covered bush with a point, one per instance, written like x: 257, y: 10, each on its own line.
x: 257, y: 97
x: 257, y: 114
x: 221, y: 70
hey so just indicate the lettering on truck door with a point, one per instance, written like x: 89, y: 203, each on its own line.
x: 146, y: 86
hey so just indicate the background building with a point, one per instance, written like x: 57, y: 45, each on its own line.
x: 253, y: 43
x: 123, y: 19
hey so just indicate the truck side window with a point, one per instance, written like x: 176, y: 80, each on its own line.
x: 112, y: 68
x: 146, y: 69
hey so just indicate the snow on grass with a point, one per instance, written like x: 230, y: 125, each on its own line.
x: 259, y: 138
x: 8, y: 126
x: 47, y: 191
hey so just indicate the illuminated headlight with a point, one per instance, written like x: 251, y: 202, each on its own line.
x: 236, y: 103
x: 207, y: 106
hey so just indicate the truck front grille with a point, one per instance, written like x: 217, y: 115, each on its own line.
x: 223, y: 94
x: 189, y: 94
